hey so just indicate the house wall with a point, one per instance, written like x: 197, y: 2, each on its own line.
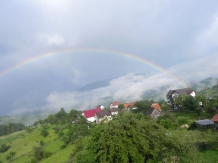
x: 99, y: 119
x: 175, y: 94
x: 114, y: 113
x: 91, y: 119
x: 113, y: 106
x: 192, y: 94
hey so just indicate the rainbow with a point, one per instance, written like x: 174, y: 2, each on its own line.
x: 49, y: 54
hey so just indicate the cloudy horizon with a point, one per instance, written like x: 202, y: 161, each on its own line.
x: 179, y: 36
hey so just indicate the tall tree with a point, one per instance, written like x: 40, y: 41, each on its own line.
x: 190, y: 103
x: 135, y: 139
x: 142, y: 106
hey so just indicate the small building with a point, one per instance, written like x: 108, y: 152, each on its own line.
x: 215, y: 120
x: 114, y: 111
x: 103, y: 115
x: 128, y: 106
x: 90, y: 114
x: 114, y: 104
x: 154, y: 111
x: 204, y: 123
x: 156, y: 106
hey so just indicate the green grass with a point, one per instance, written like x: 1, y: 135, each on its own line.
x: 209, y: 156
x: 59, y: 156
x: 191, y: 115
x: 22, y: 144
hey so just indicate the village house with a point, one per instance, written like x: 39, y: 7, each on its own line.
x: 128, y: 106
x: 90, y: 114
x: 115, y: 104
x: 114, y: 111
x: 103, y: 115
x: 106, y: 114
x: 154, y: 110
x: 177, y: 92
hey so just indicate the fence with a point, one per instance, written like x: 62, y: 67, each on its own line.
x: 207, y: 145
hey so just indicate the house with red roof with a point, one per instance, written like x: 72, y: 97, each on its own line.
x: 129, y: 105
x: 156, y: 106
x: 154, y: 110
x: 215, y: 120
x: 90, y: 114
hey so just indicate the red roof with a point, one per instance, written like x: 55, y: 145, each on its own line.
x: 215, y: 118
x: 91, y: 113
x: 156, y: 106
x: 129, y: 105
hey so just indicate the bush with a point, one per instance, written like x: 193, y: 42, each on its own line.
x: 39, y: 153
x: 44, y: 132
x: 166, y: 123
x: 46, y: 154
x: 42, y: 142
x: 182, y: 120
x: 29, y: 129
x: 4, y: 148
x: 63, y: 146
x: 8, y: 157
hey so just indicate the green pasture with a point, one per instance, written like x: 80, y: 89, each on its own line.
x: 209, y: 156
x: 191, y: 115
x: 22, y: 144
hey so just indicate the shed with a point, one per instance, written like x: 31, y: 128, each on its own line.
x: 204, y: 123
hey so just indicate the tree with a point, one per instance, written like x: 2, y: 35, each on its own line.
x: 190, y: 103
x: 73, y: 114
x: 142, y: 106
x: 4, y: 148
x: 121, y: 106
x: 39, y: 153
x: 132, y: 139
x: 44, y: 132
x: 178, y: 100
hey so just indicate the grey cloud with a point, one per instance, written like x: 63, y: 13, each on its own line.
x: 172, y: 34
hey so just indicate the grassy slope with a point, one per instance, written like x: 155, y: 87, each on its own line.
x: 22, y: 143
x: 191, y: 115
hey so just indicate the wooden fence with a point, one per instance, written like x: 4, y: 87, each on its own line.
x: 207, y: 145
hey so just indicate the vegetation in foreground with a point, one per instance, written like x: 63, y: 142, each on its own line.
x: 130, y: 137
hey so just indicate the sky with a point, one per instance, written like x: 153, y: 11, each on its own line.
x: 51, y: 48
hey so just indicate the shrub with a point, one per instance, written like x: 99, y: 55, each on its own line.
x: 8, y: 157
x: 182, y: 120
x: 44, y: 132
x: 29, y: 129
x: 63, y: 146
x: 166, y: 123
x: 42, y: 142
x: 4, y: 148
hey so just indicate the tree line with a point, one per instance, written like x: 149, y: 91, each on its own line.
x: 10, y: 128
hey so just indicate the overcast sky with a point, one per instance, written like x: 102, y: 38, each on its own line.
x: 179, y: 36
